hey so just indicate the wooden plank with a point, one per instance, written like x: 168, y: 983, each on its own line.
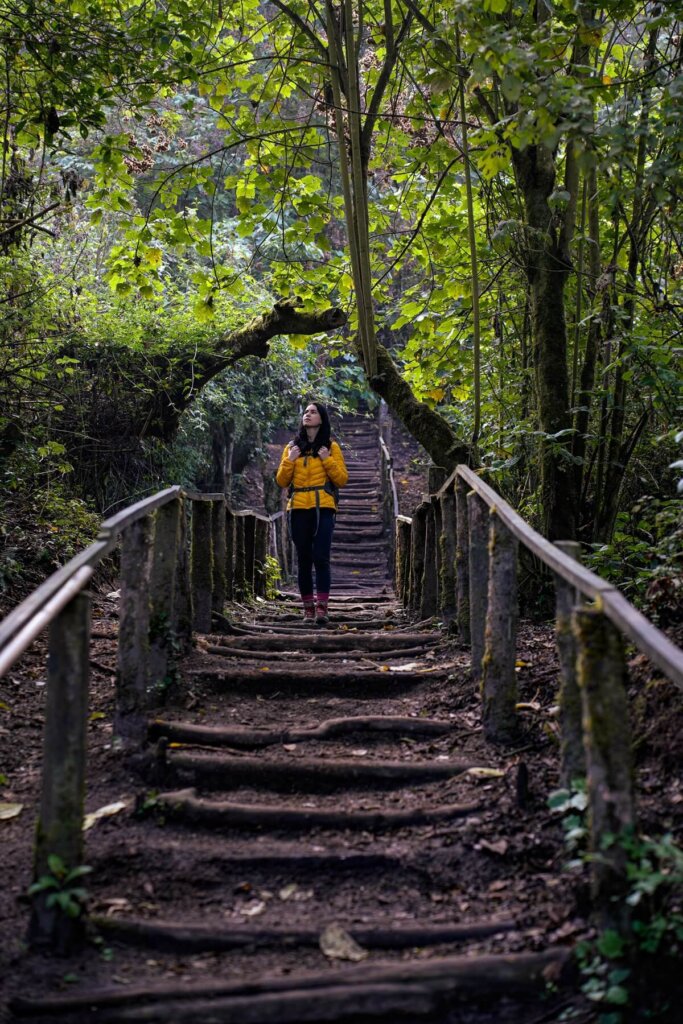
x: 128, y: 515
x: 42, y: 618
x: 585, y: 580
x: 23, y: 613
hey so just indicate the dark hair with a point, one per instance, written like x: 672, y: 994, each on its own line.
x: 322, y: 438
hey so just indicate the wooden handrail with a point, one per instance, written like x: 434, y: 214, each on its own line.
x: 25, y: 622
x: 650, y: 640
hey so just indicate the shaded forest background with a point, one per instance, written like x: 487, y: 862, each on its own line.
x: 212, y: 210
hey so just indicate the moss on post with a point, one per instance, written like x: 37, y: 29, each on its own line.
x: 202, y: 565
x: 498, y: 679
x: 462, y: 560
x: 260, y: 553
x: 447, y: 549
x: 609, y: 759
x: 249, y: 551
x: 133, y: 681
x: 239, y: 575
x: 162, y: 627
x: 572, y: 756
x: 402, y: 560
x: 429, y: 598
x: 182, y: 605
x: 218, y: 541
x: 229, y: 553
x: 478, y: 521
x: 59, y: 830
x: 417, y: 557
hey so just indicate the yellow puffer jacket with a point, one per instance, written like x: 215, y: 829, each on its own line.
x: 311, y: 471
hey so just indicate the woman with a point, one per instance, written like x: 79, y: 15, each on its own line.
x: 312, y: 465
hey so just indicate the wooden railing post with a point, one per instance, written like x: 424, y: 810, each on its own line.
x: 219, y: 545
x: 462, y: 560
x: 202, y: 565
x: 403, y: 530
x: 260, y: 552
x: 572, y: 756
x: 249, y: 549
x: 478, y: 520
x: 609, y: 760
x: 417, y: 557
x: 133, y: 682
x: 429, y: 598
x: 182, y: 605
x: 240, y: 571
x: 229, y: 553
x: 162, y: 625
x: 447, y: 546
x: 59, y: 832
x: 498, y: 678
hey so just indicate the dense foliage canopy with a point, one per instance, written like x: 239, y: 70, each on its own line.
x: 488, y: 191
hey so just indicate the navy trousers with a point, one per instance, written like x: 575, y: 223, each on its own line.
x: 313, y: 547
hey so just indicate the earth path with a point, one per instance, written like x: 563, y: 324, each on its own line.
x: 325, y: 835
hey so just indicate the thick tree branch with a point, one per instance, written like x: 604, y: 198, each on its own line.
x: 433, y: 432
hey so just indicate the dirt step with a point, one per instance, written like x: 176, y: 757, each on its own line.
x: 184, y: 805
x: 410, y: 989
x: 194, y: 937
x: 253, y: 738
x: 298, y: 774
x: 357, y: 681
x: 323, y: 641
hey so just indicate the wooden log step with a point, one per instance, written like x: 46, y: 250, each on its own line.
x: 185, y: 805
x: 202, y: 938
x: 248, y: 738
x: 298, y: 654
x: 449, y: 976
x: 359, y: 680
x: 323, y: 641
x: 298, y: 774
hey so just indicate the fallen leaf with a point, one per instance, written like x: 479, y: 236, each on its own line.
x: 8, y: 811
x: 288, y: 891
x: 103, y: 812
x: 289, y: 746
x: 337, y: 944
x: 486, y: 773
x: 361, y: 752
x: 408, y: 667
x: 253, y: 909
x: 500, y: 846
x: 264, y: 668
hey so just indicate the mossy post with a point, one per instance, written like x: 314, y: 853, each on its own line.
x: 162, y: 626
x: 239, y: 575
x: 462, y: 560
x: 182, y: 605
x: 218, y: 547
x: 202, y: 564
x: 60, y: 818
x: 438, y: 549
x: 572, y: 756
x: 429, y: 597
x: 417, y: 557
x: 447, y: 548
x: 133, y: 681
x: 478, y: 520
x: 229, y: 553
x: 498, y: 678
x: 403, y: 529
x: 601, y: 669
x: 249, y: 550
x: 260, y: 552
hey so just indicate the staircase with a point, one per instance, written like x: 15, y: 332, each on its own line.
x: 309, y: 844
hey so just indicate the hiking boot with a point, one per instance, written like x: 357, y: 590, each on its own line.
x: 321, y: 618
x: 309, y: 611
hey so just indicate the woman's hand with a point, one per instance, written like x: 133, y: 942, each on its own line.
x: 293, y: 453
x: 324, y: 453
